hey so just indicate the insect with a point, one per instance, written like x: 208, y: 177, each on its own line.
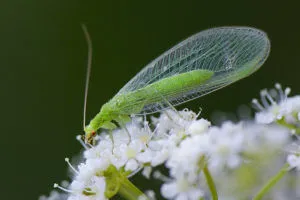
x: 203, y: 63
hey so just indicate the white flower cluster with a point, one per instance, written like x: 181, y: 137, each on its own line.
x: 276, y: 106
x: 238, y: 156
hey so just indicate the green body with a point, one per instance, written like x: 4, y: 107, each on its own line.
x: 117, y: 108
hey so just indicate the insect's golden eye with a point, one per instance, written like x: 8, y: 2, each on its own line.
x: 93, y: 133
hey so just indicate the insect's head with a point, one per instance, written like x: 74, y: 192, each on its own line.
x: 89, y: 134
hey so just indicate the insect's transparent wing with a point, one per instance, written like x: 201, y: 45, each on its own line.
x: 231, y: 52
x: 161, y: 102
x: 187, y: 94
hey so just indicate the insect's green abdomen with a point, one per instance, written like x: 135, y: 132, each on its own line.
x: 165, y: 88
x: 177, y: 84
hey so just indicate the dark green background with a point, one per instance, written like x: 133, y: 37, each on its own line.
x: 43, y: 63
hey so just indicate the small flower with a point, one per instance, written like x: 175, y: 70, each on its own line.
x: 54, y: 195
x: 172, y: 122
x: 160, y: 157
x: 276, y: 105
x: 271, y: 136
x: 77, y: 186
x: 98, y: 188
x: 147, y: 171
x: 198, y: 127
x: 184, y: 160
x: 294, y: 161
x: 102, y: 149
x: 140, y: 130
x: 94, y: 190
x: 126, y: 154
x: 181, y: 189
x: 226, y: 145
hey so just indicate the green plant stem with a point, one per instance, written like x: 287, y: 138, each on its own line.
x: 210, y: 183
x: 282, y: 122
x: 272, y: 182
x: 129, y: 191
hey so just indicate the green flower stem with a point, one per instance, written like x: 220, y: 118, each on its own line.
x: 282, y: 122
x: 210, y: 183
x: 129, y: 191
x: 272, y: 182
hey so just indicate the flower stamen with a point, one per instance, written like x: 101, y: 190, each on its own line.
x: 159, y: 176
x: 62, y: 188
x: 71, y: 166
x: 79, y: 139
x: 257, y: 105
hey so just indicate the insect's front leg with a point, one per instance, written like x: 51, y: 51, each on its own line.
x: 122, y: 120
x: 108, y: 125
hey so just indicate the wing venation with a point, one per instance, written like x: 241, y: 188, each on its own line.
x: 231, y: 53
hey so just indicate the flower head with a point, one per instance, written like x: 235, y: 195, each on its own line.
x: 187, y: 147
x: 276, y: 105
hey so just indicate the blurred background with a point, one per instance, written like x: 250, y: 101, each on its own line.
x: 43, y: 66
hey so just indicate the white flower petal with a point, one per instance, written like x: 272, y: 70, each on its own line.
x: 131, y: 165
x: 169, y: 190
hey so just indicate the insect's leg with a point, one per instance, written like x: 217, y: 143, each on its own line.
x: 166, y: 101
x: 145, y: 122
x: 111, y: 136
x: 93, y: 142
x: 199, y: 113
x: 108, y: 125
x: 170, y: 105
x: 127, y: 131
x: 166, y: 113
x: 171, y: 118
x: 123, y: 125
x: 122, y: 120
x: 112, y: 139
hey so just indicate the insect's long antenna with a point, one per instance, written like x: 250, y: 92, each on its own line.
x: 88, y: 72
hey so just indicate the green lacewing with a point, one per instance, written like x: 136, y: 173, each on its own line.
x: 203, y: 63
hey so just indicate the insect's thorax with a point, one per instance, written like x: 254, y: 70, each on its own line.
x: 110, y: 111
